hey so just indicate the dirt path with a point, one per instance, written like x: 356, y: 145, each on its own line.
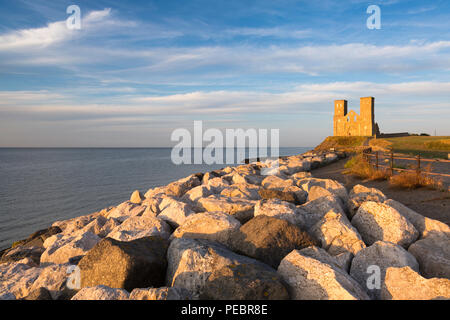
x: 430, y: 203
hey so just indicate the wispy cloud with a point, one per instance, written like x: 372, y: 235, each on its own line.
x: 421, y: 10
x: 53, y: 33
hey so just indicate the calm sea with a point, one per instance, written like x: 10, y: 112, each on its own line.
x: 40, y: 186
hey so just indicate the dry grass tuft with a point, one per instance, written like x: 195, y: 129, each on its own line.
x: 359, y: 167
x: 413, y: 180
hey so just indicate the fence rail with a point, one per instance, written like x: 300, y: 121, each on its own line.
x: 377, y: 156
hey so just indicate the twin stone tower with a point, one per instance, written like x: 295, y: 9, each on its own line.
x: 352, y: 124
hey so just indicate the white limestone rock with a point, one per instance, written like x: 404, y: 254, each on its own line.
x: 164, y: 293
x: 101, y: 293
x: 433, y: 254
x: 377, y: 221
x: 310, y: 279
x: 360, y: 194
x: 241, y: 209
x: 191, y: 261
x: 383, y: 255
x: 425, y: 226
x: 406, y: 284
x: 65, y: 248
x: 214, y: 226
x: 125, y: 210
x: 140, y: 227
x: 336, y: 234
x: 318, y: 208
x: 174, y: 212
x: 279, y: 209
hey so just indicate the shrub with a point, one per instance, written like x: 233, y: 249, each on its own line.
x: 361, y: 168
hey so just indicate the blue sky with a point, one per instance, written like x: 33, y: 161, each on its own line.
x: 137, y: 70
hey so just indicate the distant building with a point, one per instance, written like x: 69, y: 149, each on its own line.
x: 353, y: 124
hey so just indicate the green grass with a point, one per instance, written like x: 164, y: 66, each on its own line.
x: 341, y: 143
x: 428, y: 147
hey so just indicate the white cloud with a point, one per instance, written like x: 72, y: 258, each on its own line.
x: 277, y: 32
x: 53, y: 33
x: 312, y: 98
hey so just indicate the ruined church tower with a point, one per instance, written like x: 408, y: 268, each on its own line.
x: 350, y: 123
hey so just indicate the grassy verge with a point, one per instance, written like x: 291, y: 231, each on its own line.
x: 341, y: 143
x: 427, y: 147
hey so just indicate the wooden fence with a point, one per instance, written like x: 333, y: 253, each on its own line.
x: 374, y: 158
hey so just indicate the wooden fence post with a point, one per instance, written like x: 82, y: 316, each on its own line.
x: 418, y: 164
x: 392, y: 163
x: 376, y: 153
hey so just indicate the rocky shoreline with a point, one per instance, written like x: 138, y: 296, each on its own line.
x: 236, y: 233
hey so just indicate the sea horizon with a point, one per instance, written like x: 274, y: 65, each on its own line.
x: 44, y: 185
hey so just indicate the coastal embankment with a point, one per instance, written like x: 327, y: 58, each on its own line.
x: 263, y: 230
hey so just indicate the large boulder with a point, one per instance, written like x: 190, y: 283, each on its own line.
x: 196, y: 193
x: 37, y: 238
x: 425, y: 226
x: 151, y: 205
x: 140, y: 227
x: 310, y: 279
x: 21, y: 252
x: 16, y: 279
x: 336, y: 234
x: 290, y: 194
x: 244, y: 282
x: 433, y: 254
x: 382, y: 255
x: 216, y: 185
x: 96, y: 226
x: 136, y: 197
x: 63, y: 249
x: 191, y: 261
x: 101, y: 292
x: 242, y: 190
x: 53, y: 278
x: 377, y: 221
x: 341, y: 260
x: 125, y: 210
x: 174, y: 212
x: 296, y: 177
x: 316, y: 192
x: 406, y: 284
x: 279, y: 209
x: 241, y: 209
x: 21, y: 280
x: 275, y: 182
x: 109, y: 226
x: 39, y: 294
x: 180, y: 187
x: 138, y: 263
x: 214, y: 226
x: 163, y: 293
x: 360, y: 194
x: 318, y: 208
x: 70, y: 226
x: 333, y: 186
x: 269, y: 239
